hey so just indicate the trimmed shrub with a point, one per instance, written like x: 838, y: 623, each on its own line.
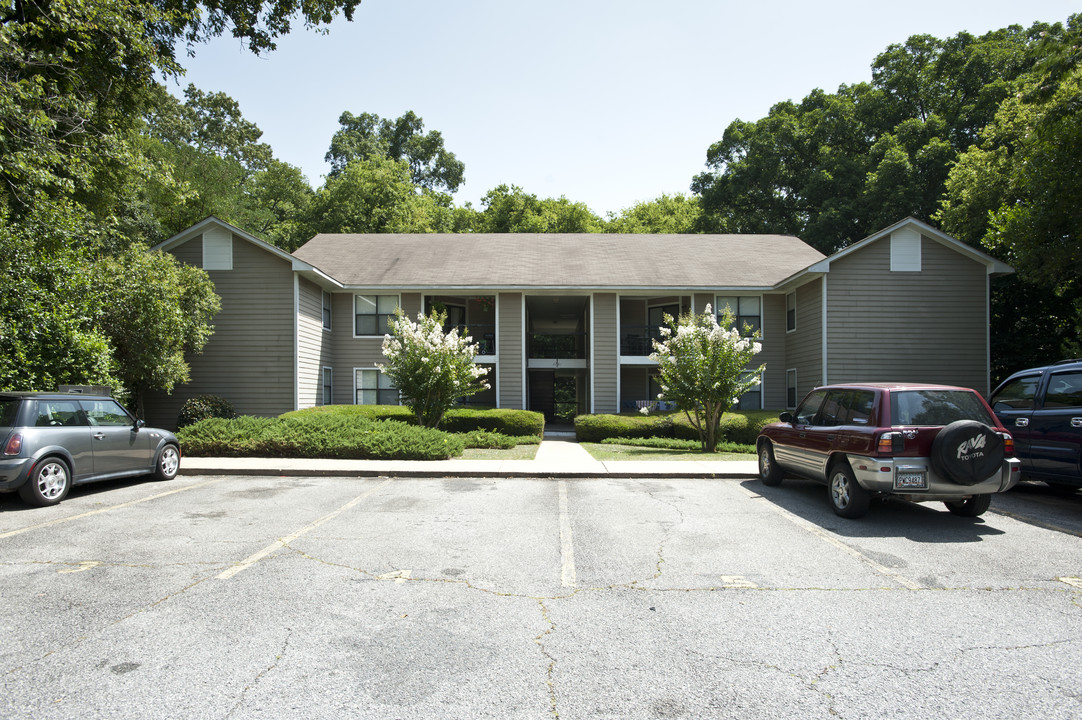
x: 513, y: 423
x: 736, y: 427
x: 678, y: 444
x: 319, y: 435
x: 483, y: 439
x: 203, y: 407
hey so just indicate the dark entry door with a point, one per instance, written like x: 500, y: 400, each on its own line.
x: 542, y: 397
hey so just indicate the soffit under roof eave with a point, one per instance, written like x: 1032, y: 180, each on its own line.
x: 579, y: 289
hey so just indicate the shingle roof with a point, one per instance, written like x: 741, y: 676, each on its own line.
x: 557, y: 260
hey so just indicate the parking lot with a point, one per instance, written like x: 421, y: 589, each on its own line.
x: 279, y: 597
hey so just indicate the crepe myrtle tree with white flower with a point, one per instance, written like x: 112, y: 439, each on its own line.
x: 430, y: 368
x: 703, y: 368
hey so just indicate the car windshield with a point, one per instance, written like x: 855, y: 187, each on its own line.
x: 9, y: 407
x: 936, y: 407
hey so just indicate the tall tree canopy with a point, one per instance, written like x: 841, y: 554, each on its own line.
x: 838, y: 166
x: 76, y: 79
x: 1015, y: 193
x: 368, y: 136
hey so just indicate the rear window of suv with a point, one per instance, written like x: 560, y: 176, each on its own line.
x: 936, y: 407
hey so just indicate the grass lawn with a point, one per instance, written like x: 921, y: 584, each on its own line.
x: 519, y: 452
x: 628, y: 452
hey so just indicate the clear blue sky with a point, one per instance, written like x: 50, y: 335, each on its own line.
x: 607, y: 102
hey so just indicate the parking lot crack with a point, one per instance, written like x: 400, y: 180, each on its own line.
x: 262, y: 673
x: 550, y: 670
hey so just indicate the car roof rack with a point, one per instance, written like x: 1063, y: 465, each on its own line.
x: 1065, y: 362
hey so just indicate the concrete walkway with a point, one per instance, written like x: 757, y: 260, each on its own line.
x: 556, y: 457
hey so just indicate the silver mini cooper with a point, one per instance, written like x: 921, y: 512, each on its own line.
x: 51, y: 441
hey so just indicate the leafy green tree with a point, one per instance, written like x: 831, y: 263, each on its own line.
x: 155, y: 310
x: 430, y: 368
x: 703, y: 368
x: 49, y: 302
x: 368, y: 136
x: 510, y: 209
x: 836, y: 167
x: 1015, y: 193
x: 377, y: 196
x: 280, y: 199
x: 666, y: 214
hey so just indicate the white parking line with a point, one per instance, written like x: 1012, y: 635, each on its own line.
x: 567, y: 548
x: 58, y: 521
x: 829, y: 538
x: 282, y: 542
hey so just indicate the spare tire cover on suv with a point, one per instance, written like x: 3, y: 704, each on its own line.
x: 967, y: 452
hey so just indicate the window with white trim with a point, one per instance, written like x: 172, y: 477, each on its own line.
x: 790, y: 388
x: 372, y: 312
x: 326, y: 310
x: 374, y: 388
x: 753, y: 398
x: 328, y: 387
x: 744, y: 308
x: 790, y: 311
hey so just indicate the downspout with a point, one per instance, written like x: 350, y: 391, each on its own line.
x: 496, y: 368
x: 296, y: 341
x: 826, y: 358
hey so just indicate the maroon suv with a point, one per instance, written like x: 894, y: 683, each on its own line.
x: 917, y: 442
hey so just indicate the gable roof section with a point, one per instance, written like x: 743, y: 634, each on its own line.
x: 556, y: 261
x: 994, y: 267
x: 200, y: 227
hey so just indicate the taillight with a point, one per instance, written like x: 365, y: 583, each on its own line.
x: 886, y: 443
x: 1008, y: 444
x: 14, y: 445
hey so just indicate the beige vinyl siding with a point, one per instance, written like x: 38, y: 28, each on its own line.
x: 773, y: 352
x: 804, y: 346
x: 313, y: 349
x: 349, y: 353
x: 604, y: 359
x: 509, y: 350
x: 249, y: 360
x: 927, y: 326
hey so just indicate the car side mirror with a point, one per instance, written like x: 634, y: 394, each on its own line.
x: 786, y: 417
x: 139, y: 424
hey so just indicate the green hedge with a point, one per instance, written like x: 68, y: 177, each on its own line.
x: 318, y: 435
x: 513, y: 423
x: 202, y: 407
x: 736, y: 427
x: 678, y: 444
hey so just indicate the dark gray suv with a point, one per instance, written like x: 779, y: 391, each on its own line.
x: 1042, y: 407
x: 51, y: 441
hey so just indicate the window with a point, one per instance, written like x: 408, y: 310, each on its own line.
x: 805, y: 414
x: 372, y: 313
x: 326, y: 310
x: 56, y: 413
x: 375, y: 388
x: 106, y: 412
x: 328, y: 386
x: 790, y: 312
x: 1064, y: 391
x: 936, y: 407
x: 847, y: 407
x: 745, y: 310
x: 1018, y: 394
x: 752, y: 399
x: 790, y: 389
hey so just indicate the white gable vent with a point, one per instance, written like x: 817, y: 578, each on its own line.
x: 217, y: 249
x: 905, y: 250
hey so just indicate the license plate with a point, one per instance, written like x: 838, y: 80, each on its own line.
x: 911, y: 481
